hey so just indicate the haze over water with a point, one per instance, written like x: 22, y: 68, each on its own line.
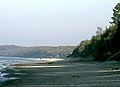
x: 52, y: 22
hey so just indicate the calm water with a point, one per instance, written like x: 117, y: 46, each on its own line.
x: 6, y: 61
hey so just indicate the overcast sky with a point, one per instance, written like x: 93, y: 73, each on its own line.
x: 52, y: 22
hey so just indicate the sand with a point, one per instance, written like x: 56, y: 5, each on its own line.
x: 64, y: 73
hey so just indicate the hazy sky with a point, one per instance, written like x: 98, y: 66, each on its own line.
x: 52, y: 22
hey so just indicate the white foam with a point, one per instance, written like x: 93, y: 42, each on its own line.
x: 37, y: 66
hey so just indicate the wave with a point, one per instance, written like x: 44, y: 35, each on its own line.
x: 2, y: 75
x: 5, y: 62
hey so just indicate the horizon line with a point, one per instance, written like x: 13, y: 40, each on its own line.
x: 35, y: 45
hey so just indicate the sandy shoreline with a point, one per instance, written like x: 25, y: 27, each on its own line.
x: 61, y: 73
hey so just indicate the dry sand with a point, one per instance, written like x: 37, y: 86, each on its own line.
x: 62, y: 73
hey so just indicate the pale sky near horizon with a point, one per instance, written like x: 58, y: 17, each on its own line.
x: 52, y: 22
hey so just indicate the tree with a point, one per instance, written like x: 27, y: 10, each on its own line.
x: 116, y: 15
x: 100, y: 31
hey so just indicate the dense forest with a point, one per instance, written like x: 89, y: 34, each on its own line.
x: 36, y: 51
x: 105, y: 44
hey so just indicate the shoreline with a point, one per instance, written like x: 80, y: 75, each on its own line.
x: 68, y: 74
x: 7, y: 72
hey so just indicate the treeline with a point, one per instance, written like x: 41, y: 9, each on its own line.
x: 36, y: 51
x: 105, y: 44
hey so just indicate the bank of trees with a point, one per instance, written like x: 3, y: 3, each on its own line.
x: 104, y: 45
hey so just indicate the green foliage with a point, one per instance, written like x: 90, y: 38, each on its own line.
x: 104, y: 45
x: 80, y: 48
x: 116, y: 15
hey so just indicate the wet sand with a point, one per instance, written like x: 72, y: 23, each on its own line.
x: 65, y: 74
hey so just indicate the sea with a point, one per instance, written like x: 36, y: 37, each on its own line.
x: 5, y: 62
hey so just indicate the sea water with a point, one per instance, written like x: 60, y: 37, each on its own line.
x: 5, y: 62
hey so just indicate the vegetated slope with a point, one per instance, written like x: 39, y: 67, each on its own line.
x: 104, y: 45
x: 36, y: 51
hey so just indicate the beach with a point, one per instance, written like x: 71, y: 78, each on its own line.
x: 64, y: 73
